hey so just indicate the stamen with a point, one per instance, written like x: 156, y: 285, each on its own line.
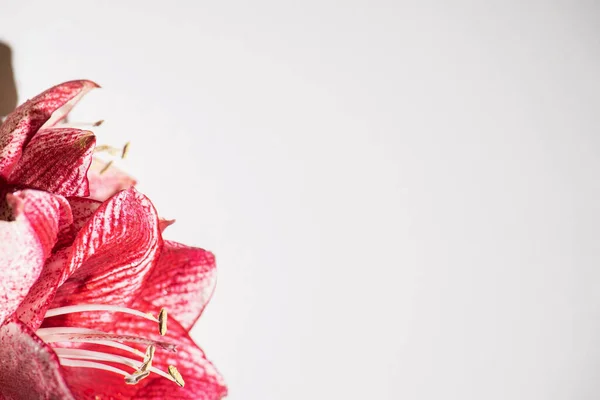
x: 113, y: 151
x: 94, y: 355
x: 67, y: 362
x: 125, y: 150
x: 106, y: 167
x: 97, y: 307
x: 176, y: 375
x: 131, y: 379
x: 44, y: 333
x: 104, y: 148
x: 98, y: 123
x: 162, y: 315
x: 80, y: 358
x: 162, y: 322
x: 148, y: 358
x: 95, y: 338
x: 136, y: 377
x: 52, y: 331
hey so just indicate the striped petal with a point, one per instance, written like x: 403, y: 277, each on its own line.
x: 34, y: 306
x: 82, y: 209
x: 183, y: 282
x: 113, y: 253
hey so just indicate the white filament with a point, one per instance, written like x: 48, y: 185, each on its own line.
x: 45, y: 333
x: 96, y: 355
x: 96, y: 307
x: 67, y: 362
x: 63, y: 329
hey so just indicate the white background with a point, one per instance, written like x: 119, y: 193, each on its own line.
x: 403, y: 197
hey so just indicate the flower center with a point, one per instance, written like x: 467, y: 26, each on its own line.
x: 79, y: 358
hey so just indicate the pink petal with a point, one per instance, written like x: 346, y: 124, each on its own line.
x: 29, y: 369
x: 46, y: 108
x: 112, y: 253
x: 83, y: 209
x: 34, y: 306
x: 26, y: 241
x: 32, y: 309
x: 56, y: 160
x: 104, y: 183
x: 183, y: 282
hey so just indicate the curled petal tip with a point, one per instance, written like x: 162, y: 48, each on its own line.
x: 90, y: 84
x: 87, y: 138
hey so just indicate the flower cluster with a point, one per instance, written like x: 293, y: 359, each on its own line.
x: 86, y: 278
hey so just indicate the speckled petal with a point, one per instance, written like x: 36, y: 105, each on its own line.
x: 34, y: 306
x: 46, y: 108
x: 29, y: 369
x: 32, y: 309
x: 26, y: 240
x: 82, y: 209
x: 56, y: 160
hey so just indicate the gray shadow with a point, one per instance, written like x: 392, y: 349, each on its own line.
x: 8, y: 87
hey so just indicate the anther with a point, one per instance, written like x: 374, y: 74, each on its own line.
x: 148, y: 358
x: 98, y: 123
x: 125, y: 150
x: 176, y: 375
x: 162, y: 321
x: 136, y: 377
x: 106, y: 167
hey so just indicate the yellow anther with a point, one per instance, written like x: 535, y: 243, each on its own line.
x: 162, y: 321
x: 136, y: 377
x: 106, y: 167
x: 125, y: 150
x: 176, y: 375
x: 148, y: 358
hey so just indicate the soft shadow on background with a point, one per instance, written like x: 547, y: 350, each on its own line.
x: 8, y: 88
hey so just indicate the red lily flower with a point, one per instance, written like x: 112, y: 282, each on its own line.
x: 79, y: 277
